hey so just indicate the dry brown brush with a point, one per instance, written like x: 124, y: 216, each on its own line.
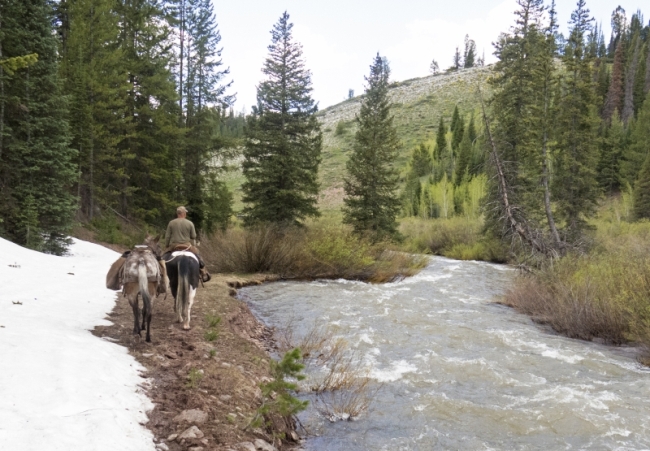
x: 318, y: 251
x: 604, y: 294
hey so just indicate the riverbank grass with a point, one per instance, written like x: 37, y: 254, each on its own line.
x: 322, y: 249
x: 460, y: 238
x: 603, y: 294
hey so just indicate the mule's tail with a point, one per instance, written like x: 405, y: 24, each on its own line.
x: 143, y: 283
x: 183, y: 291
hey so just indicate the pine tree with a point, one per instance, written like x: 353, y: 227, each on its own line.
x: 37, y: 168
x: 614, y: 100
x: 646, y: 86
x: 441, y: 157
x: 458, y: 131
x: 283, y: 139
x: 575, y: 182
x: 421, y: 160
x: 635, y: 153
x: 639, y: 78
x: 524, y: 107
x: 612, y: 144
x: 457, y: 61
x: 371, y: 205
x: 642, y: 192
x: 95, y: 78
x: 469, y: 55
x: 144, y: 169
x: 463, y: 161
x: 205, y: 97
x: 628, y: 98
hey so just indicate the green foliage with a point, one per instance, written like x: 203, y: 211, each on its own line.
x: 341, y: 128
x: 213, y: 320
x: 575, y: 184
x: 612, y: 146
x: 371, y: 202
x: 458, y: 237
x: 11, y: 65
x: 283, y: 138
x: 37, y: 170
x: 639, y: 145
x: 194, y: 378
x: 277, y: 398
x: 211, y: 335
x: 642, y: 192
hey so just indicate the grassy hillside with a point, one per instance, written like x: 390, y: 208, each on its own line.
x: 418, y: 105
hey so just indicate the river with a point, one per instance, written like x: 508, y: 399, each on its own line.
x: 458, y: 371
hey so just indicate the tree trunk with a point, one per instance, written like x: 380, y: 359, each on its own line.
x: 518, y: 227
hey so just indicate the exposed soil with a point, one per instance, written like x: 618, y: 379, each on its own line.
x: 196, y: 370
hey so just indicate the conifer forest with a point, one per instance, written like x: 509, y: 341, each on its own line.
x: 119, y: 110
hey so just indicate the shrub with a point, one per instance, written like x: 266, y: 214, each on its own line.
x: 279, y: 406
x: 604, y: 294
x: 321, y: 250
x: 457, y: 237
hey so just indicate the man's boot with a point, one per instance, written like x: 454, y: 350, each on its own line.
x: 205, y: 275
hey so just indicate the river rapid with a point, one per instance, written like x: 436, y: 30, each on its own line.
x: 458, y: 371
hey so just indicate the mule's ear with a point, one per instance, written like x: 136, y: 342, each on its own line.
x: 156, y: 238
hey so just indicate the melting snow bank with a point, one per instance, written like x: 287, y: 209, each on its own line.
x: 61, y: 387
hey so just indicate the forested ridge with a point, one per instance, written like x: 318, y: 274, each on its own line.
x: 123, y: 109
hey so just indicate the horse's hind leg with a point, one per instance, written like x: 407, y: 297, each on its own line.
x: 188, y: 308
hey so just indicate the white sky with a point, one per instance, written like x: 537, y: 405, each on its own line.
x: 340, y: 37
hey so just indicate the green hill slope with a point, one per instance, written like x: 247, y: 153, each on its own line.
x: 417, y: 106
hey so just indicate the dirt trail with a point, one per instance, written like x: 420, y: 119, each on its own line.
x: 218, y: 375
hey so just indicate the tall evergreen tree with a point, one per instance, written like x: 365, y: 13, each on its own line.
x: 371, y: 203
x: 441, y: 155
x: 457, y: 133
x: 642, y: 192
x: 635, y: 153
x: 458, y: 60
x: 95, y: 79
x: 463, y: 160
x: 628, y: 97
x: 144, y: 168
x: 37, y: 168
x: 283, y: 139
x: 205, y: 99
x: 469, y: 55
x: 612, y: 143
x: 524, y: 110
x: 614, y: 100
x: 576, y: 158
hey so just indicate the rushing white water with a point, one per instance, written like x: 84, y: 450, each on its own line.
x: 461, y: 372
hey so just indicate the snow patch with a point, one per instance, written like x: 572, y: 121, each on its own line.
x: 61, y: 387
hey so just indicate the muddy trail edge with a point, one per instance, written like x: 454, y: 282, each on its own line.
x: 204, y: 382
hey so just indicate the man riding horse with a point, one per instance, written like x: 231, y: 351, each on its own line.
x: 181, y: 236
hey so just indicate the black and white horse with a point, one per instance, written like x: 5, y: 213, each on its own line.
x: 183, y: 273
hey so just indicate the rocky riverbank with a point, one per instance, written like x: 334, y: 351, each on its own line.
x: 204, y: 382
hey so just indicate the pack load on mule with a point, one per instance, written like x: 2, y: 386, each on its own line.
x: 139, y: 272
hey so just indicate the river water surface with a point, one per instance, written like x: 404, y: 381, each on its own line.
x: 461, y: 372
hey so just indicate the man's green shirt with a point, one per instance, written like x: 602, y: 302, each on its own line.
x: 180, y: 231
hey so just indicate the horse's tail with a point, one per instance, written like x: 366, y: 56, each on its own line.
x: 143, y: 283
x: 183, y: 291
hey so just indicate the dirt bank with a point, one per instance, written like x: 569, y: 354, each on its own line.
x: 212, y: 371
